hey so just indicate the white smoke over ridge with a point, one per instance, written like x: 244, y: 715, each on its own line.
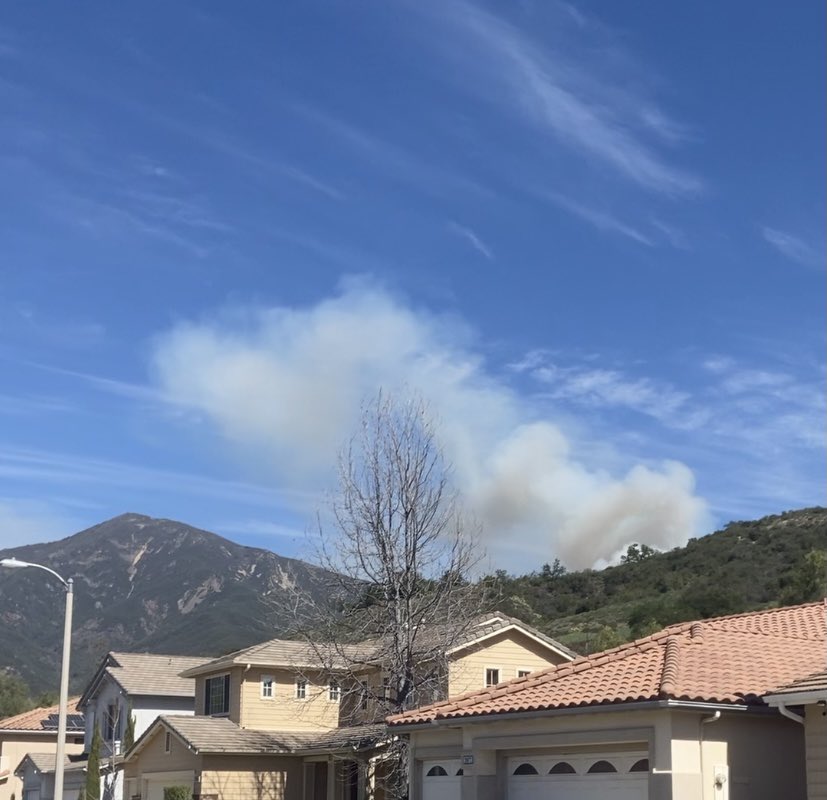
x: 287, y: 383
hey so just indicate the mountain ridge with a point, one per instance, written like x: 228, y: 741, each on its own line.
x: 159, y: 585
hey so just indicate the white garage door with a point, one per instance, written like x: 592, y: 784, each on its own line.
x: 620, y: 776
x: 441, y: 779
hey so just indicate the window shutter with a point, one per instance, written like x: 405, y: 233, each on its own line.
x: 207, y: 708
x: 226, y: 709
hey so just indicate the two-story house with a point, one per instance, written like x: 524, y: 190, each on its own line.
x: 34, y: 731
x: 271, y: 723
x: 141, y: 684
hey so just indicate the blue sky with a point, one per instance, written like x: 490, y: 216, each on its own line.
x: 591, y: 235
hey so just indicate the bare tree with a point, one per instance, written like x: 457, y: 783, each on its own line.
x: 397, y: 594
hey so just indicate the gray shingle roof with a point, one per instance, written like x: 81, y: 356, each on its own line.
x: 277, y: 653
x: 149, y: 674
x: 218, y: 735
x: 817, y: 682
x: 45, y: 762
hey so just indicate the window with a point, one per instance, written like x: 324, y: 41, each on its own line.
x: 640, y: 766
x: 363, y: 695
x: 492, y: 677
x: 217, y: 695
x: 110, y: 731
x: 437, y: 772
x: 523, y: 673
x: 386, y: 688
x: 526, y: 769
x: 267, y: 686
x: 334, y: 692
x: 301, y: 689
x: 167, y: 742
x: 602, y: 766
x: 562, y: 768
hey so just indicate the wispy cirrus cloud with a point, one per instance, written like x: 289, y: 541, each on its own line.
x: 564, y: 99
x: 472, y: 238
x: 599, y: 219
x: 792, y: 247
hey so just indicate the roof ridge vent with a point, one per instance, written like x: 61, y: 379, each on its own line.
x: 671, y: 662
x: 696, y: 632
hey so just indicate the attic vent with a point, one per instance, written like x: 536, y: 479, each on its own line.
x: 696, y: 631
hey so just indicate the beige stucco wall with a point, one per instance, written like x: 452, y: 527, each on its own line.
x: 509, y: 651
x: 764, y: 753
x: 13, y: 746
x: 252, y: 778
x: 816, y: 742
x: 152, y: 758
x: 235, y: 692
x: 283, y: 711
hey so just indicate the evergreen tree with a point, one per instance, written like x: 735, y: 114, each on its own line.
x: 93, y: 768
x: 129, y: 733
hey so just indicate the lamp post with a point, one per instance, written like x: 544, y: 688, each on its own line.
x: 60, y: 754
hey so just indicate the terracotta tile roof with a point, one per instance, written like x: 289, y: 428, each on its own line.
x: 45, y: 719
x: 733, y: 659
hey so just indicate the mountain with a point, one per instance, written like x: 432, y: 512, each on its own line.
x: 162, y: 586
x: 780, y: 559
x: 140, y: 584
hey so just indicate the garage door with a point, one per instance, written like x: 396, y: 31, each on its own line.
x: 441, y: 779
x: 621, y: 776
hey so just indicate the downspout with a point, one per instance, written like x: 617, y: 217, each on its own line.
x: 790, y: 714
x: 241, y: 692
x: 705, y: 721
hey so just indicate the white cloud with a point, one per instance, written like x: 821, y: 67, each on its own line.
x: 791, y: 247
x: 287, y: 383
x: 469, y: 236
x: 600, y: 219
x: 576, y: 108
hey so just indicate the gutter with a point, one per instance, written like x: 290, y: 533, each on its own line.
x: 646, y: 705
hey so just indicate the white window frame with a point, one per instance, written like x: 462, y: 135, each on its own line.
x: 523, y: 672
x: 300, y: 689
x: 334, y: 691
x: 485, y: 672
x: 267, y: 687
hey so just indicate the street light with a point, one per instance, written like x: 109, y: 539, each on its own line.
x: 60, y: 754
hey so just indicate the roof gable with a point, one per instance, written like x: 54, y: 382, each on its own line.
x: 146, y: 674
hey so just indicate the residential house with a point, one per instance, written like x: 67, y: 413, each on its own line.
x: 143, y: 684
x: 34, y: 730
x: 679, y: 715
x: 272, y: 722
x: 808, y: 696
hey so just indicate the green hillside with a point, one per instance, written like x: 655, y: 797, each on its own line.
x: 748, y: 565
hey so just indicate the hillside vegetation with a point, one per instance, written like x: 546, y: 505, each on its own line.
x: 776, y: 560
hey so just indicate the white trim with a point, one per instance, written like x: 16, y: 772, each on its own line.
x: 304, y: 682
x: 272, y: 680
x: 526, y: 670
x: 797, y: 698
x: 510, y: 627
x: 485, y: 670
